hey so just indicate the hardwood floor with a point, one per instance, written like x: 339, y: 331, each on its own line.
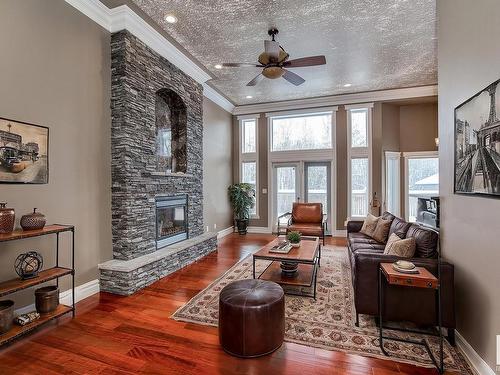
x: 124, y: 335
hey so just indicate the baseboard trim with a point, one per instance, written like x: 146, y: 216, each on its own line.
x: 265, y: 230
x: 339, y: 233
x: 477, y: 363
x: 81, y: 292
x: 225, y: 232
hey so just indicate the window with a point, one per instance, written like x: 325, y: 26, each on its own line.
x: 304, y: 132
x: 249, y: 155
x: 249, y: 173
x: 359, y: 128
x: 359, y: 159
x: 359, y: 187
x: 421, y: 179
x: 249, y: 143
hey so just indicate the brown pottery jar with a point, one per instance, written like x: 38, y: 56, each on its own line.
x: 47, y: 299
x: 6, y: 315
x: 33, y: 221
x: 7, y: 217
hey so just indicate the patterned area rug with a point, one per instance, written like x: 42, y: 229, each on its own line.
x: 328, y: 322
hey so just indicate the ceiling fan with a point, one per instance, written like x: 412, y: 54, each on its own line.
x: 274, y: 61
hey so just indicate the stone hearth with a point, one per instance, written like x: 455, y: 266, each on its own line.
x: 152, y: 101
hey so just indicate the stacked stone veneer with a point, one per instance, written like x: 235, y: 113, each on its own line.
x: 137, y: 75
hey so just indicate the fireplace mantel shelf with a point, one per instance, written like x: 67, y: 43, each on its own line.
x: 169, y: 174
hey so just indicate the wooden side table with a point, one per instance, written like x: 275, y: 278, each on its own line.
x: 423, y: 279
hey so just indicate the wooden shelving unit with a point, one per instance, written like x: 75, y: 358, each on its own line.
x: 18, y: 331
x: 54, y: 273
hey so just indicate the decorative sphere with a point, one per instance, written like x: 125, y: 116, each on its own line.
x: 27, y: 265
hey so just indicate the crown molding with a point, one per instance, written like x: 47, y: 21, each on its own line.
x: 358, y: 106
x: 124, y: 18
x: 335, y: 100
x: 311, y: 111
x: 217, y: 98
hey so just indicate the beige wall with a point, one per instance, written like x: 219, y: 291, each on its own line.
x: 55, y: 71
x: 217, y: 166
x: 418, y: 127
x: 469, y: 60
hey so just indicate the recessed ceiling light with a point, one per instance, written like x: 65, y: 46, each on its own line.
x: 218, y: 66
x: 249, y: 96
x: 170, y: 18
x: 347, y: 85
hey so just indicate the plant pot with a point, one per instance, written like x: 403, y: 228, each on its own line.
x: 6, y: 315
x: 297, y: 244
x: 242, y: 225
x: 46, y: 299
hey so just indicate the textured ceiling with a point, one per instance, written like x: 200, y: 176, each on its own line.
x: 372, y: 44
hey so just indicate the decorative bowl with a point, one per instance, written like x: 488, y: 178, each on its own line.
x: 33, y: 221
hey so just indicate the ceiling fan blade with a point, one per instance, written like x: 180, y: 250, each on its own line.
x: 272, y: 49
x: 256, y: 80
x: 233, y: 65
x: 293, y: 78
x: 305, y: 61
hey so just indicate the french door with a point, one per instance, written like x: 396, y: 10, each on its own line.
x: 301, y: 182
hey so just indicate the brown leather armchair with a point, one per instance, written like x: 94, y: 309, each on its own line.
x: 306, y: 218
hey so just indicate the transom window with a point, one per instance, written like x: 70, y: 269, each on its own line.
x: 301, y: 132
x: 249, y: 143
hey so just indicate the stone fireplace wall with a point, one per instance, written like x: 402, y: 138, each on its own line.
x: 138, y: 75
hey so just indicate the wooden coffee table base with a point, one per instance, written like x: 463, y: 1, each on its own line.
x: 298, y: 268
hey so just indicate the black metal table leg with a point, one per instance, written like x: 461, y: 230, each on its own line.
x: 73, y: 268
x: 57, y: 256
x: 380, y: 312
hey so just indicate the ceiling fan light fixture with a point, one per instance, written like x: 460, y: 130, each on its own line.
x: 249, y: 96
x: 347, y: 84
x: 273, y: 72
x: 218, y: 66
x: 170, y: 18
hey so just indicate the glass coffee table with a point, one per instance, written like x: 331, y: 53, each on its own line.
x: 297, y: 268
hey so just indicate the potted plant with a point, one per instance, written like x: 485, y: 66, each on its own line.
x: 242, y: 198
x: 294, y: 238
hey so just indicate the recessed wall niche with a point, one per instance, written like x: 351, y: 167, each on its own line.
x: 171, y: 125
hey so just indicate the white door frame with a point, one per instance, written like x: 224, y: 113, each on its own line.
x: 413, y: 155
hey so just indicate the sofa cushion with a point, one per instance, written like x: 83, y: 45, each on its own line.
x: 381, y: 231
x: 426, y: 241
x: 404, y: 248
x: 369, y: 225
x: 376, y: 248
x: 400, y: 227
x: 388, y: 216
x: 359, y: 237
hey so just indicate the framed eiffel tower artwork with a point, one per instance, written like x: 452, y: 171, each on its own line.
x: 477, y: 143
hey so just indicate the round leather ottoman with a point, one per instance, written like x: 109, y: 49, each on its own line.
x: 251, y: 318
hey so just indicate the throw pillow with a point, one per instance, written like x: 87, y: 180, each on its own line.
x: 382, y: 230
x: 369, y: 225
x: 404, y: 248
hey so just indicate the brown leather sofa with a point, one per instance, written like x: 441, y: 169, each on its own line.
x: 306, y: 218
x: 400, y: 303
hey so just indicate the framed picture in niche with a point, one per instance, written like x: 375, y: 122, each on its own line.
x: 477, y: 144
x: 24, y: 152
